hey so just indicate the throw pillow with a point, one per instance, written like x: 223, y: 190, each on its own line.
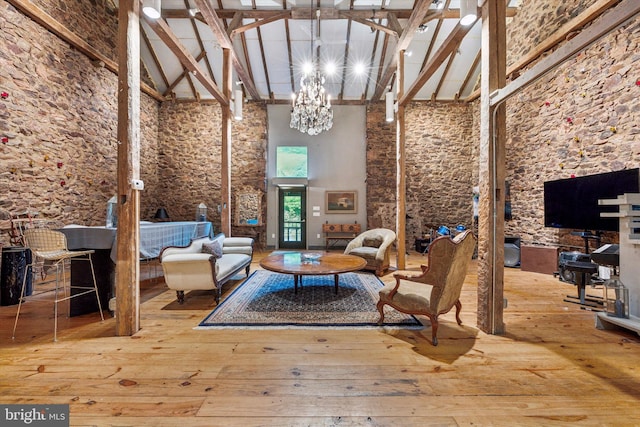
x: 214, y: 248
x: 372, y: 242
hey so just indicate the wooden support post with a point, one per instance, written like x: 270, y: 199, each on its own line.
x: 492, y: 171
x: 128, y: 232
x: 401, y: 186
x: 225, y: 184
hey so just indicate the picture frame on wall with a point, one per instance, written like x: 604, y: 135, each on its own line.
x: 341, y: 201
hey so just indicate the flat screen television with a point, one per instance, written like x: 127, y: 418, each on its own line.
x: 573, y: 202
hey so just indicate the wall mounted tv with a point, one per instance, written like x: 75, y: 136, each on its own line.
x: 573, y: 202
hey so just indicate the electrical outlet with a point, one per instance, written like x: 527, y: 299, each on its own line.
x: 273, y: 236
x: 318, y: 235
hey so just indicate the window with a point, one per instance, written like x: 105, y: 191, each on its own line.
x: 291, y: 162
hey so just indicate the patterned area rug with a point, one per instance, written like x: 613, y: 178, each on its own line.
x: 267, y: 299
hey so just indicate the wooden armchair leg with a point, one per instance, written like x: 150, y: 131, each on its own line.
x: 458, y: 308
x: 380, y: 307
x: 434, y: 330
x: 180, y: 297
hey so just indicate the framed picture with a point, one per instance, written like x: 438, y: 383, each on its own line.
x: 341, y: 201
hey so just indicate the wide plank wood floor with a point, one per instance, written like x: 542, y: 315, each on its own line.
x: 552, y: 367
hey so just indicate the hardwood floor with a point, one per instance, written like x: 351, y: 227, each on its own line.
x: 551, y: 367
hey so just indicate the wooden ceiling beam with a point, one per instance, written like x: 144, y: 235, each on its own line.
x: 216, y: 25
x: 325, y: 13
x: 417, y: 16
x: 376, y: 26
x: 161, y: 28
x: 257, y: 23
x: 449, y: 47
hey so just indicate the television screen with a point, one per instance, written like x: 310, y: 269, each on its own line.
x: 573, y: 202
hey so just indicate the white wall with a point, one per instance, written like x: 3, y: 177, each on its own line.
x: 337, y: 161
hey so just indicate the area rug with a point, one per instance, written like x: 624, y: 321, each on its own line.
x: 268, y: 299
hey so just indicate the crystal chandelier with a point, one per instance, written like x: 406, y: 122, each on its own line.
x: 311, y: 110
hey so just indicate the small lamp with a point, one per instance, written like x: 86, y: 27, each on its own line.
x: 201, y: 212
x: 237, y: 105
x: 162, y: 215
x: 390, y: 107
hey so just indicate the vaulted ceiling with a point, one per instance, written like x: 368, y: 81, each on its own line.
x: 270, y: 40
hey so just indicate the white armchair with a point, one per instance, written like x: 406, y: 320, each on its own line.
x: 374, y: 246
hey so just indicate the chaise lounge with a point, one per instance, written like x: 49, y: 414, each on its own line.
x: 206, y: 263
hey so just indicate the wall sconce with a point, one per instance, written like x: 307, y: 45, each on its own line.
x: 151, y: 8
x: 468, y: 12
x: 237, y: 105
x: 390, y: 106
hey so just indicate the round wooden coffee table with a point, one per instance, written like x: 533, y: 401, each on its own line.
x: 312, y: 263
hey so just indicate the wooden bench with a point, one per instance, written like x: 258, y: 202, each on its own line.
x: 336, y: 233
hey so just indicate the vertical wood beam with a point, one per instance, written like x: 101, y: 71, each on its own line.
x: 225, y: 184
x: 128, y: 232
x: 492, y: 171
x: 401, y: 184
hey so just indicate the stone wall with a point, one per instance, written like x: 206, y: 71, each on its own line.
x: 536, y: 20
x: 582, y: 118
x: 439, y: 167
x: 61, y: 122
x: 189, y: 159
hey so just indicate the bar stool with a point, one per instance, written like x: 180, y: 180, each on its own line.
x: 583, y: 271
x: 50, y: 245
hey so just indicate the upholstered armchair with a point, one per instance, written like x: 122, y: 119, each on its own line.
x: 374, y: 246
x: 437, y: 289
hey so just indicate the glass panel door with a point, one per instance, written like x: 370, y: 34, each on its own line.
x: 292, y: 227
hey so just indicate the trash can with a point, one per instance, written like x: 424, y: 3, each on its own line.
x: 13, y: 268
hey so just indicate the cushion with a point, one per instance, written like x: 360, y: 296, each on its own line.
x: 372, y: 242
x: 214, y: 248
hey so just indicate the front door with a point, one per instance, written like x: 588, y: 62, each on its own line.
x: 292, y: 227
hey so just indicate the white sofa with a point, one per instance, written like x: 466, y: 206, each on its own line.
x: 189, y: 268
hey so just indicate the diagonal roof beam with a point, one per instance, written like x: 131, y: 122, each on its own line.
x: 419, y: 12
x: 372, y: 24
x: 216, y: 25
x: 449, y: 46
x: 256, y: 24
x: 169, y: 38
